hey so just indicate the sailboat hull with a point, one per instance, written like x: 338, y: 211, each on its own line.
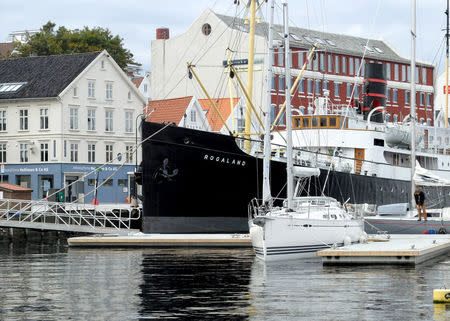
x: 284, y: 238
x: 202, y: 182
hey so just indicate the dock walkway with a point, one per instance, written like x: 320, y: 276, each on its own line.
x: 406, y: 249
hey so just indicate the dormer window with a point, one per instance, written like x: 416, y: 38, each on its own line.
x: 378, y: 50
x: 330, y: 42
x: 307, y: 38
x: 295, y: 37
x: 11, y: 87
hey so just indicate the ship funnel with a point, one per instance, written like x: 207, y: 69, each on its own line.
x: 374, y: 94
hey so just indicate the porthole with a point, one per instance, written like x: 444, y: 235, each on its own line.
x: 206, y: 29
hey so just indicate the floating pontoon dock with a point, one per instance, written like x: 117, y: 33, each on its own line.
x: 406, y: 249
x: 160, y: 240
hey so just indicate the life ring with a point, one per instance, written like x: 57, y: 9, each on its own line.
x: 60, y: 197
x: 442, y: 230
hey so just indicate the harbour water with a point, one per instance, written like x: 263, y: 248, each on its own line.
x: 48, y: 281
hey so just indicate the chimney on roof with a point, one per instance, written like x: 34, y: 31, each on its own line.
x: 162, y: 33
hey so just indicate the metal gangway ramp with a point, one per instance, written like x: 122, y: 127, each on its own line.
x: 69, y: 217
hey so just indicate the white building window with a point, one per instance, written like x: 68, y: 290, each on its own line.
x: 109, y: 152
x: 109, y: 90
x: 44, y: 118
x: 44, y: 152
x: 330, y: 63
x: 309, y: 84
x: 336, y: 64
x: 75, y: 91
x: 396, y: 72
x: 23, y: 119
x: 300, y: 60
x: 91, y: 89
x: 349, y: 90
x: 129, y: 95
x: 91, y: 119
x: 407, y: 95
x: 73, y: 152
x: 3, y: 152
x: 388, y: 71
x: 337, y: 87
x: 2, y: 119
x: 422, y: 99
x: 403, y: 73
x: 129, y: 153
x: 91, y: 153
x: 109, y: 121
x: 128, y: 121
x: 424, y: 75
x: 73, y: 117
x: 24, y: 153
x: 351, y: 66
x: 394, y: 95
x: 193, y: 116
x: 145, y: 88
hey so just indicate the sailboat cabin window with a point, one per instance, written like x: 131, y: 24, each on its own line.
x: 206, y: 29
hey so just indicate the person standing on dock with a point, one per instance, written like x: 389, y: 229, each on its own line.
x: 419, y: 196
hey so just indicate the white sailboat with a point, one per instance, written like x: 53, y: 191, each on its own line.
x: 303, y: 225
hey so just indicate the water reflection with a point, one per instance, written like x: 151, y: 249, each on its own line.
x: 196, y: 284
x: 49, y: 281
x: 304, y: 290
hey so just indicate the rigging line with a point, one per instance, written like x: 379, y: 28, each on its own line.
x: 186, y: 49
x: 196, y: 59
x: 354, y: 84
x: 149, y: 112
x: 107, y: 163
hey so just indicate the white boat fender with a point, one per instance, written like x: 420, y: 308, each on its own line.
x: 363, y: 238
x: 347, y: 240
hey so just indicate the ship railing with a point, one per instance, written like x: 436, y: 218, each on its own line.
x: 68, y: 214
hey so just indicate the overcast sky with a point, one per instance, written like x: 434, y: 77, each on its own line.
x: 136, y: 20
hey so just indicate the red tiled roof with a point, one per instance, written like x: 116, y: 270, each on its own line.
x: 223, y: 104
x: 13, y: 187
x: 168, y: 110
x: 137, y: 81
x: 5, y: 49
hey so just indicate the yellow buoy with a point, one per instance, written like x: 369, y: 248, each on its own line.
x: 441, y: 295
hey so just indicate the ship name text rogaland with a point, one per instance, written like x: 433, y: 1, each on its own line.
x: 224, y: 160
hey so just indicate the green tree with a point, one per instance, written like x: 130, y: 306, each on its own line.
x: 65, y: 41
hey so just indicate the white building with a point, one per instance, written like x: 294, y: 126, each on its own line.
x: 63, y: 116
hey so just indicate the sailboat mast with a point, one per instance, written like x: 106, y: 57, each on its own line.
x: 267, y: 146
x: 413, y: 98
x: 287, y: 71
x: 446, y: 71
x: 251, y: 53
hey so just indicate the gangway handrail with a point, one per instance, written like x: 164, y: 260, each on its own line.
x: 81, y: 215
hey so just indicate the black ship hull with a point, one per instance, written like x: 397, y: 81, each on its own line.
x: 201, y: 182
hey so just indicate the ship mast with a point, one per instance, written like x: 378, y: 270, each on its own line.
x: 287, y: 63
x: 446, y: 71
x: 267, y: 197
x: 413, y: 99
x: 251, y: 53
